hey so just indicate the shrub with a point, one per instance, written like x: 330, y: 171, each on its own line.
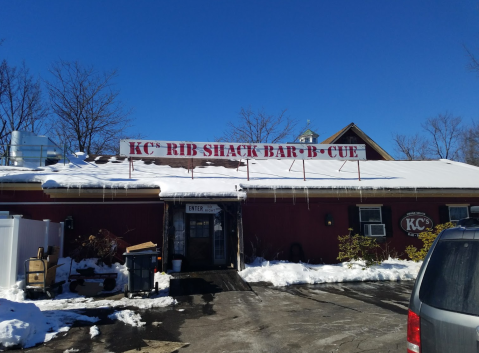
x: 99, y: 246
x: 358, y: 247
x: 427, y: 237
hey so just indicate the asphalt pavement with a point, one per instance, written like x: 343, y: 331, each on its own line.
x: 342, y: 317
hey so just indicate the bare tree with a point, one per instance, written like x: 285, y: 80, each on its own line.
x: 89, y: 115
x: 411, y: 148
x: 260, y: 127
x: 445, y: 132
x: 470, y: 145
x: 21, y: 102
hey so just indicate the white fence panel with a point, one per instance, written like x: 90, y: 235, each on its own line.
x: 19, y: 240
x: 31, y: 235
x: 6, y: 238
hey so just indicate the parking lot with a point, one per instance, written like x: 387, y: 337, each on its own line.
x: 343, y: 317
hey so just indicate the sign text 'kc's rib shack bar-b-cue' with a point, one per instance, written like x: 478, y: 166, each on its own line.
x: 216, y: 150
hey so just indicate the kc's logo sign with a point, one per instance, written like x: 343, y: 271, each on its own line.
x: 414, y: 223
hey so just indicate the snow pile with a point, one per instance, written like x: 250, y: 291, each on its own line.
x: 94, y: 331
x: 128, y: 317
x: 283, y: 273
x: 25, y: 323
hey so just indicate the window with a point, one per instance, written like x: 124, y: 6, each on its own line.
x: 451, y: 280
x: 370, y: 214
x: 199, y: 225
x: 458, y: 212
x: 370, y: 219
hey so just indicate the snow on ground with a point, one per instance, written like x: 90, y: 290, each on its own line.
x: 25, y: 323
x: 94, y: 331
x: 283, y: 273
x: 128, y: 317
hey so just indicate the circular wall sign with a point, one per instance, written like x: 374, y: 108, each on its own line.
x: 414, y: 223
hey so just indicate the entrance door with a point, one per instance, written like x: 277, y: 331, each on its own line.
x: 199, y: 229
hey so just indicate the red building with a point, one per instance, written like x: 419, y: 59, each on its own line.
x: 221, y: 212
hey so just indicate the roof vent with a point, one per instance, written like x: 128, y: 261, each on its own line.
x: 32, y: 151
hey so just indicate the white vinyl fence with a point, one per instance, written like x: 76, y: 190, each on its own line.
x: 20, y: 239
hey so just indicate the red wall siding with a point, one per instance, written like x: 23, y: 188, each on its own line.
x: 281, y: 223
x: 134, y: 223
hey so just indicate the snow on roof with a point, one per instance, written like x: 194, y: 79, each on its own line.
x: 228, y: 179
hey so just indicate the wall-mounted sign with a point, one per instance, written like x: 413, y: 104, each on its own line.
x: 202, y: 208
x: 217, y: 150
x: 414, y: 223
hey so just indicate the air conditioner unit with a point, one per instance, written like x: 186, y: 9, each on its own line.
x: 374, y: 230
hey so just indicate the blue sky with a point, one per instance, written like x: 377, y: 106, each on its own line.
x: 187, y: 67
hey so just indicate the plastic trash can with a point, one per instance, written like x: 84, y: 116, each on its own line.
x: 141, y: 272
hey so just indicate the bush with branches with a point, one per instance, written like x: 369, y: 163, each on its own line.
x: 100, y: 246
x: 357, y: 247
x: 427, y: 237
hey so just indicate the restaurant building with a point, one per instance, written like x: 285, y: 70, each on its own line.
x: 219, y: 205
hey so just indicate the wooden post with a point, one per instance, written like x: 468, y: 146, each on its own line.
x: 247, y: 168
x: 342, y: 166
x: 240, y: 253
x: 294, y: 160
x: 129, y: 167
x: 192, y: 166
x: 359, y: 172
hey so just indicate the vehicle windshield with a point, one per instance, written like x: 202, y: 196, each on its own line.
x: 451, y: 280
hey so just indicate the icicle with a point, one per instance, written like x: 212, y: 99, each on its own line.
x: 361, y: 194
x: 307, y: 196
x: 274, y: 191
x: 294, y: 196
x: 79, y: 189
x: 103, y: 192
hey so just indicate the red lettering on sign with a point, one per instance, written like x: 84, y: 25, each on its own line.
x: 207, y: 150
x: 291, y: 151
x: 280, y: 152
x: 268, y: 151
x: 353, y: 151
x: 219, y: 150
x: 238, y: 150
x: 145, y: 147
x: 171, y: 149
x: 330, y: 151
x: 312, y: 152
x: 191, y: 149
x: 343, y: 151
x: 231, y: 151
x: 252, y: 151
x: 135, y: 149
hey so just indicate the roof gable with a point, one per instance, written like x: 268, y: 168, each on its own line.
x: 373, y: 150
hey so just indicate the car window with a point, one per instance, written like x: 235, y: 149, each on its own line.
x: 451, y: 280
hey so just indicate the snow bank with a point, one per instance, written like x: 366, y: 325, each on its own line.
x: 283, y: 273
x: 25, y: 323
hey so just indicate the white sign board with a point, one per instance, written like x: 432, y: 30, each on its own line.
x: 202, y: 208
x: 220, y: 150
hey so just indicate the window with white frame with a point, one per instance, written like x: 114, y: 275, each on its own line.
x: 370, y: 219
x: 458, y: 212
x: 370, y: 214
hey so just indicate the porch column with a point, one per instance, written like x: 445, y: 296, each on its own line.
x: 164, y: 248
x: 240, y: 253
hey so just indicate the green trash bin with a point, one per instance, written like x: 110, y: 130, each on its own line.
x: 141, y: 267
